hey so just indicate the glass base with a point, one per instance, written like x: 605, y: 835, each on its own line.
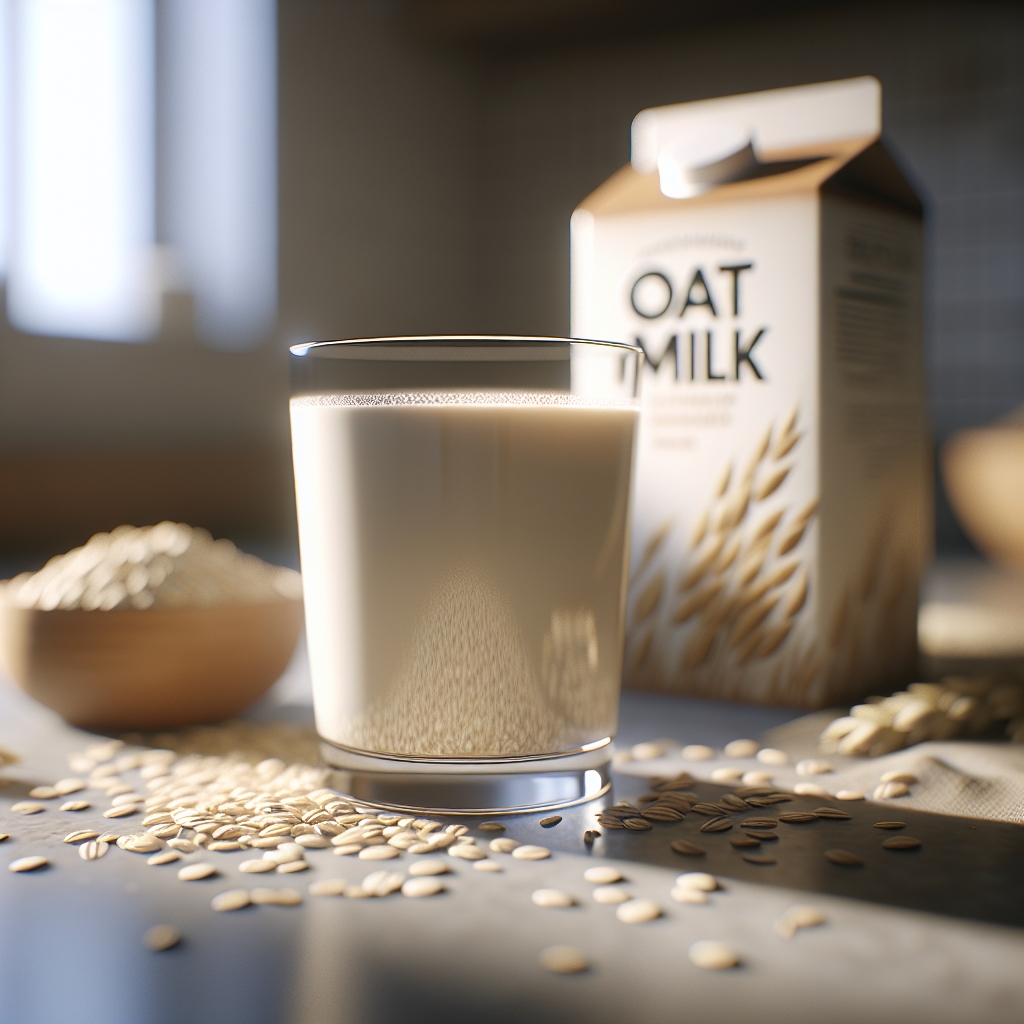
x: 463, y: 786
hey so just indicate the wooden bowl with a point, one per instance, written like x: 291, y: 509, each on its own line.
x: 983, y: 470
x: 148, y: 670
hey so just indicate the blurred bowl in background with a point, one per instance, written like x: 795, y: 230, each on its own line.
x: 983, y: 470
x: 146, y: 670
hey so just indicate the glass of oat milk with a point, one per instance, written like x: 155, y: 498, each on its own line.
x: 463, y: 510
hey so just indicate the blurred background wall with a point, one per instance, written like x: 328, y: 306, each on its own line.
x: 430, y: 153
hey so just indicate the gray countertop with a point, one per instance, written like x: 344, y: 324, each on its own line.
x: 907, y: 938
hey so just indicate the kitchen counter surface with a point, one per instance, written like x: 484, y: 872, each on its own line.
x: 931, y: 935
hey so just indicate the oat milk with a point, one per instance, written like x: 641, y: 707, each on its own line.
x: 766, y: 254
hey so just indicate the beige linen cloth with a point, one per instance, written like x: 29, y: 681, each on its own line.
x: 969, y: 778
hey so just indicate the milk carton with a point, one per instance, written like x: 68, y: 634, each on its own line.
x: 766, y: 254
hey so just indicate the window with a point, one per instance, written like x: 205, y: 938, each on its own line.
x: 139, y: 136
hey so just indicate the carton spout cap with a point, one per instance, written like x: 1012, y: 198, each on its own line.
x: 700, y: 160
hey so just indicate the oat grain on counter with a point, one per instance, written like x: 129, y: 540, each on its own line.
x: 531, y: 852
x: 93, y: 850
x: 742, y: 748
x: 549, y: 822
x: 76, y: 805
x: 602, y: 875
x: 713, y: 956
x: 276, y: 897
x: 844, y: 858
x: 79, y: 835
x: 610, y: 894
x: 27, y: 864
x: 122, y: 811
x: 233, y: 899
x: 492, y: 826
x: 794, y: 918
x: 551, y: 898
x: 798, y: 817
x: 760, y: 835
x: 196, y: 872
x: 591, y: 835
x: 901, y: 843
x: 164, y: 857
x: 890, y: 824
x: 427, y: 867
x: 256, y: 867
x: 716, y: 825
x: 563, y: 960
x: 638, y: 911
x: 423, y: 886
x: 686, y: 848
x: 161, y: 937
x: 890, y: 790
x: 686, y: 894
x: 467, y: 852
x: 832, y: 812
x: 27, y: 807
x: 741, y: 842
x: 810, y: 789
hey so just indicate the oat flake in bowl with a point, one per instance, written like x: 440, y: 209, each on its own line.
x: 150, y: 628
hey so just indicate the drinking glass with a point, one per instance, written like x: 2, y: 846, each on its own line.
x: 463, y: 507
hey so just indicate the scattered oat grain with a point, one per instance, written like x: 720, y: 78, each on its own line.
x: 901, y: 843
x: 551, y: 898
x: 890, y: 790
x: 164, y: 857
x: 232, y: 899
x: 423, y: 886
x: 27, y: 807
x: 787, y: 924
x: 610, y: 894
x: 79, y: 835
x: 696, y: 752
x: 27, y: 864
x: 275, y: 897
x: 742, y: 748
x: 712, y: 956
x: 810, y: 789
x: 686, y: 894
x: 161, y: 937
x: 686, y: 848
x: 195, y: 872
x: 563, y: 960
x: 638, y: 911
x: 531, y: 853
x: 602, y: 875
x: 844, y: 858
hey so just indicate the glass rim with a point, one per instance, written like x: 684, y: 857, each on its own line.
x: 496, y: 341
